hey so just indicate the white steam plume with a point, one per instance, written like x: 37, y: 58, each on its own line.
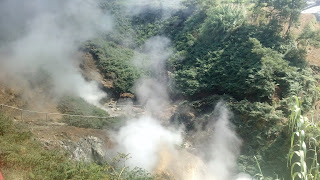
x: 143, y: 139
x: 49, y: 40
x: 152, y: 92
x: 157, y: 50
x: 152, y: 95
x: 167, y: 7
x: 222, y: 149
x: 153, y: 146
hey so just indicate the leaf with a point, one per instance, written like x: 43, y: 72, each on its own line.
x: 295, y: 174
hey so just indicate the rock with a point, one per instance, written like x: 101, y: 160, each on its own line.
x: 184, y: 115
x: 127, y: 95
x: 87, y: 149
x: 124, y: 102
x: 108, y: 84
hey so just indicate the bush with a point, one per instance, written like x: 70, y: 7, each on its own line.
x: 5, y: 124
x: 224, y: 54
x: 114, y: 62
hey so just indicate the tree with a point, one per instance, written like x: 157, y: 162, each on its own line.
x: 281, y: 12
x: 309, y: 37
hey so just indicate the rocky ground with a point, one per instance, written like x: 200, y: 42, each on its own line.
x: 81, y: 143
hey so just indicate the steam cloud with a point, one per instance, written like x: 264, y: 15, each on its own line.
x: 152, y: 92
x: 223, y: 147
x: 143, y: 138
x: 44, y: 35
x: 167, y: 7
x: 155, y: 147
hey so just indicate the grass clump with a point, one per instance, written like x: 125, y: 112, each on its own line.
x: 78, y: 106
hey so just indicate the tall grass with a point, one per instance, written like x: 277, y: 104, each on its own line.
x: 302, y: 159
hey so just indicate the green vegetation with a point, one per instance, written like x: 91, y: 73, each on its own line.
x: 238, y: 51
x: 309, y: 37
x: 278, y: 13
x: 248, y: 58
x: 21, y: 156
x: 115, y: 63
x: 241, y: 51
x: 234, y: 61
x: 302, y: 158
x: 115, y: 51
x: 78, y: 106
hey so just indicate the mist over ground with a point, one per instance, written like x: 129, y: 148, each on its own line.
x: 167, y: 7
x: 40, y: 39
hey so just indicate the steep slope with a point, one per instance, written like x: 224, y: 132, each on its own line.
x: 313, y: 55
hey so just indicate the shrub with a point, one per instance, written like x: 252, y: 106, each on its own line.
x: 114, y: 62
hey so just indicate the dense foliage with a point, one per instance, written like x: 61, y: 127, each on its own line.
x: 114, y: 62
x: 250, y: 60
x: 114, y: 52
x: 234, y: 61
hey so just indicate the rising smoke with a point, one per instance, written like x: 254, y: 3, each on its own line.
x: 143, y: 138
x: 159, y: 148
x: 44, y: 35
x: 223, y: 146
x: 157, y: 50
x: 152, y: 91
x: 166, y: 7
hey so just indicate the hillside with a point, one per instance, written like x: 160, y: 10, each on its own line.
x: 313, y: 53
x: 194, y: 89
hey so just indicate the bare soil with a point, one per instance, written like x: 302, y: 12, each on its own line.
x: 313, y: 56
x: 53, y: 133
x: 90, y: 70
